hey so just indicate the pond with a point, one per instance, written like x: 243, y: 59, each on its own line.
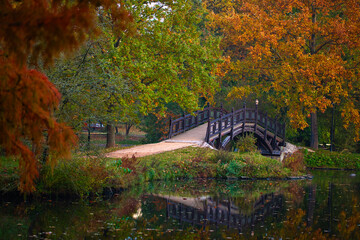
x: 322, y: 208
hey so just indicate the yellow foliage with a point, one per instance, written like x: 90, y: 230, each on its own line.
x: 296, y: 50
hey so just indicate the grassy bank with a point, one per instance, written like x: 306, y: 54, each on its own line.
x: 327, y: 159
x: 84, y: 175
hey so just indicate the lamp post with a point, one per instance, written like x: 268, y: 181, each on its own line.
x: 256, y: 113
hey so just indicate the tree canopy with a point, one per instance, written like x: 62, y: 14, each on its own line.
x: 168, y: 58
x: 303, y: 54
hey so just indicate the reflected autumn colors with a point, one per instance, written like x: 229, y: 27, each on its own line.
x: 323, y: 208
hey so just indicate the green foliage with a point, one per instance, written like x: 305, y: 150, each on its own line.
x: 9, y: 174
x: 153, y: 128
x: 327, y: 159
x: 118, y: 166
x: 255, y: 165
x: 298, y: 136
x: 246, y: 143
x: 81, y: 176
x: 123, y: 77
x: 222, y: 157
x: 183, y: 163
x: 235, y: 167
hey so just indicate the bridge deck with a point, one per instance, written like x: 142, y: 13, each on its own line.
x: 196, y: 134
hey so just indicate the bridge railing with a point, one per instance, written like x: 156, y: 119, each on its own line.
x: 189, y: 121
x: 220, y: 122
x: 244, y: 120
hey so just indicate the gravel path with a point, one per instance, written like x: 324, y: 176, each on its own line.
x: 148, y: 149
x: 194, y: 137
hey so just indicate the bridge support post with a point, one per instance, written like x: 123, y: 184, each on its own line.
x: 220, y: 128
x: 183, y: 123
x: 256, y: 114
x: 208, y: 111
x: 196, y: 118
x: 244, y: 120
x: 207, y: 138
x: 266, y: 126
x: 170, y: 127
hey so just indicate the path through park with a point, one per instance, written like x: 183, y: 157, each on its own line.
x: 194, y: 137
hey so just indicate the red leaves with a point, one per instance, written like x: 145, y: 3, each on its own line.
x: 39, y: 30
x: 27, y: 100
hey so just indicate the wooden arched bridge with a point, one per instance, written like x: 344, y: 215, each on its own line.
x: 205, y: 211
x: 221, y: 127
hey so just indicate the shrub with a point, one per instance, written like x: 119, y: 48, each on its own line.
x: 246, y: 143
x: 82, y: 176
x: 295, y: 162
x: 221, y: 156
x: 328, y: 159
x: 235, y: 167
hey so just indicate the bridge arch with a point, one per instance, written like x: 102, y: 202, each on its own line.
x: 264, y: 145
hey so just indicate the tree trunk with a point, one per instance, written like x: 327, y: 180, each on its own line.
x: 314, y: 143
x: 332, y: 130
x: 89, y: 137
x: 110, y: 136
x: 127, y: 129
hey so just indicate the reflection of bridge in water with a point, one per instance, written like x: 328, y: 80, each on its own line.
x: 205, y: 210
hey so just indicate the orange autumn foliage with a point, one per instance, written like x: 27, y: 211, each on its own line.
x: 31, y: 31
x: 305, y: 54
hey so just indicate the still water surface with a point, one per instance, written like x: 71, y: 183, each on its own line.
x: 322, y: 208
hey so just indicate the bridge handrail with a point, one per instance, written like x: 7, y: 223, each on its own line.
x: 189, y: 121
x: 220, y: 120
x: 259, y: 122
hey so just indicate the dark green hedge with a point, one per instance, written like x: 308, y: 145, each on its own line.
x: 326, y: 159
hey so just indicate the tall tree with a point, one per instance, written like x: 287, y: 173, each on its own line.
x: 31, y: 31
x: 167, y: 58
x: 305, y: 53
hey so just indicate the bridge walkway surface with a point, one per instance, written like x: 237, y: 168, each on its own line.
x: 194, y: 137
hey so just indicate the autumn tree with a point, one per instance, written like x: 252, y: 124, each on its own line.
x: 303, y: 53
x: 31, y: 32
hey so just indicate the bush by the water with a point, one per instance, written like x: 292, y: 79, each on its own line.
x: 81, y: 176
x: 246, y: 143
x: 327, y: 159
x: 295, y: 162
